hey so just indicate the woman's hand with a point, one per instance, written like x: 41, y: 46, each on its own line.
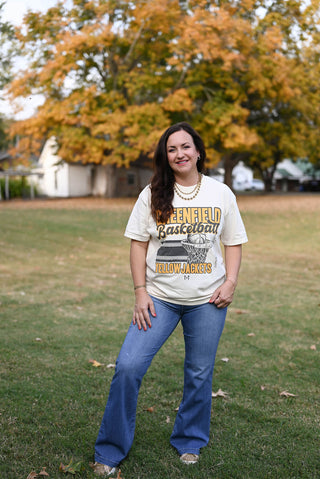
x: 143, y: 305
x: 223, y: 295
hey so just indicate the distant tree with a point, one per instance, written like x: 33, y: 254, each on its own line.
x: 285, y: 104
x: 5, y: 141
x: 7, y: 53
x: 253, y: 73
x: 6, y: 49
x: 102, y: 69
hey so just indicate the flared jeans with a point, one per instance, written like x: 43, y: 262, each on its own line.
x: 202, y: 327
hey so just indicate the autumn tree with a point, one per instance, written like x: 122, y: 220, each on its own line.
x: 6, y: 49
x: 115, y: 74
x: 283, y: 85
x: 253, y: 70
x: 101, y: 67
x: 4, y: 137
x: 6, y: 56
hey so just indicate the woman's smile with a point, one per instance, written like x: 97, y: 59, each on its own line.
x: 182, y: 162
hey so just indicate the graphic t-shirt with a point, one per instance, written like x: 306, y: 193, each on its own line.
x: 184, y: 258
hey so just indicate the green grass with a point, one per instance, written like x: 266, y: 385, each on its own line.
x: 66, y: 297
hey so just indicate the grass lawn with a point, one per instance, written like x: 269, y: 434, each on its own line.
x: 66, y: 298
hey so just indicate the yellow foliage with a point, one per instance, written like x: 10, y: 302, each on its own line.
x: 239, y: 137
x: 178, y: 101
x: 114, y: 75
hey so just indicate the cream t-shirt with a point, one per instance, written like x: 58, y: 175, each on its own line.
x: 184, y: 258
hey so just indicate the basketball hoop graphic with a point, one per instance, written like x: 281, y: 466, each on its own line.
x: 197, y: 247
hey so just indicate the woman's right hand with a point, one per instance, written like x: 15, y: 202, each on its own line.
x: 143, y: 305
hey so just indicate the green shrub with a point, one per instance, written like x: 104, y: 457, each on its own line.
x: 18, y: 188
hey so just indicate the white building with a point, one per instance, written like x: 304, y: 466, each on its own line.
x: 61, y: 179
x: 57, y: 178
x: 242, y: 177
x: 288, y: 176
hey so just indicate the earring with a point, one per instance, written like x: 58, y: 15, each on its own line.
x: 198, y: 158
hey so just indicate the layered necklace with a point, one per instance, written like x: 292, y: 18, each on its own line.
x: 193, y: 192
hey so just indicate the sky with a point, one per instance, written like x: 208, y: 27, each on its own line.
x: 13, y: 11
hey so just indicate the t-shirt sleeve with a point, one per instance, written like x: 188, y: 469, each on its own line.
x: 233, y: 232
x: 137, y: 227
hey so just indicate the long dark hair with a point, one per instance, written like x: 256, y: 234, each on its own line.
x: 162, y: 181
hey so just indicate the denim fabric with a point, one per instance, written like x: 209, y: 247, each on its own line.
x: 202, y: 327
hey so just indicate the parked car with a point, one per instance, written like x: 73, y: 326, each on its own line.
x: 256, y: 185
x: 310, y: 184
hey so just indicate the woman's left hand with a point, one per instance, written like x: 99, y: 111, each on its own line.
x: 223, y: 295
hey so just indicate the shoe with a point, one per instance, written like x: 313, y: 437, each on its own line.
x: 103, y: 469
x: 189, y: 458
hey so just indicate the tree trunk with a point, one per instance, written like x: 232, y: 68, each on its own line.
x: 228, y: 167
x: 267, y: 175
x: 111, y: 185
x: 268, y: 184
x: 230, y: 161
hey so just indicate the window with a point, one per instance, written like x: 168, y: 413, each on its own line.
x: 131, y: 178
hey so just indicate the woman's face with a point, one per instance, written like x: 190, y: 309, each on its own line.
x: 182, y: 155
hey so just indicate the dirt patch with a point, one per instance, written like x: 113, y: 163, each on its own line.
x: 88, y: 203
x: 275, y: 203
x: 255, y: 203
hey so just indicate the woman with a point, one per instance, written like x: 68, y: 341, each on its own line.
x: 178, y: 274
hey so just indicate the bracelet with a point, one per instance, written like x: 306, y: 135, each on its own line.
x: 140, y: 286
x: 233, y: 282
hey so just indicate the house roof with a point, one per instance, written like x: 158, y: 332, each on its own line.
x: 284, y: 173
x: 288, y: 169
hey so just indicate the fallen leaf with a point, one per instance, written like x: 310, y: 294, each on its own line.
x: 43, y: 472
x: 238, y: 311
x: 225, y: 360
x: 313, y: 347
x: 63, y: 468
x: 95, y: 363
x: 287, y: 394
x: 150, y: 409
x: 167, y: 419
x: 38, y: 339
x: 219, y: 393
x: 262, y: 388
x: 32, y: 475
x: 251, y: 334
x: 111, y: 365
x: 72, y: 467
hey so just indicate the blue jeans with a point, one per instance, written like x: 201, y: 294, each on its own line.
x: 202, y: 327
